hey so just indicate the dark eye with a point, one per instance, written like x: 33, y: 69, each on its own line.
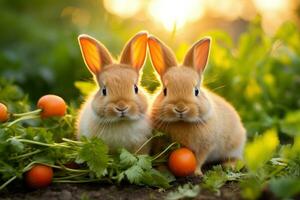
x: 165, y: 91
x: 136, y: 89
x: 196, y: 91
x: 104, y: 91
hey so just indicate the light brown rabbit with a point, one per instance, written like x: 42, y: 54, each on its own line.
x: 116, y: 112
x: 191, y: 114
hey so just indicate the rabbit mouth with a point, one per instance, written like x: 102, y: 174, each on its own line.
x: 117, y: 117
x: 125, y: 117
x: 122, y: 117
x: 180, y: 118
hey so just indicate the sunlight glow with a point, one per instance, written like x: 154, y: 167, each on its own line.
x: 270, y: 5
x: 176, y: 13
x: 123, y: 8
x: 229, y: 9
x: 274, y: 13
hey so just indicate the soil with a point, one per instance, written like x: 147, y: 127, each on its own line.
x: 112, y: 192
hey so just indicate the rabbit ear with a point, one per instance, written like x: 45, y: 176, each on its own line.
x: 162, y: 56
x: 95, y: 55
x: 134, y: 52
x: 197, y: 56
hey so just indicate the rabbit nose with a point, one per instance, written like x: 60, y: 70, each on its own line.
x: 121, y: 106
x: 180, y: 111
x: 123, y: 109
x: 180, y: 108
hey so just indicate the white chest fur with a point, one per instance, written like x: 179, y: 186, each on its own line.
x: 127, y: 134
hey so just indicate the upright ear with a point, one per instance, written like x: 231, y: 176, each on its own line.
x: 95, y: 55
x: 162, y: 56
x: 197, y: 56
x: 134, y: 52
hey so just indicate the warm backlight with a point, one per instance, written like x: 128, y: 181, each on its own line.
x: 176, y: 13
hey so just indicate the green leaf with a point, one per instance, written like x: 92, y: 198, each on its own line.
x: 6, y: 170
x: 183, y: 192
x: 285, y: 187
x: 127, y: 159
x: 120, y: 177
x: 85, y: 88
x: 95, y: 153
x: 214, y: 179
x: 144, y: 162
x: 261, y: 150
x: 138, y: 170
x: 134, y: 174
x: 16, y: 146
x: 294, y: 151
x: 156, y: 179
x: 38, y: 134
x: 251, y: 188
x: 4, y: 145
x: 290, y: 124
x: 157, y: 133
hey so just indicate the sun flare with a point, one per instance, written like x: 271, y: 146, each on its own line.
x: 176, y: 13
x: 270, y: 5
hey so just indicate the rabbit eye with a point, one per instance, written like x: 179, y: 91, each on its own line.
x: 165, y: 91
x: 104, y: 91
x: 136, y: 89
x: 196, y: 91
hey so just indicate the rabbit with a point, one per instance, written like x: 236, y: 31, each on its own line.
x: 117, y: 111
x: 189, y: 113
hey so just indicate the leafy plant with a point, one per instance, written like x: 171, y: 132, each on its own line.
x: 25, y: 142
x: 185, y: 191
x: 214, y: 179
x: 36, y: 146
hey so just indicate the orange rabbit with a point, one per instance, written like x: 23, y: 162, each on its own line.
x: 191, y: 114
x: 116, y: 111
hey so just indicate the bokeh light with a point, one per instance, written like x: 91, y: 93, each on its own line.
x: 274, y: 13
x: 176, y: 13
x: 78, y: 16
x: 270, y: 5
x: 230, y: 9
x: 123, y: 8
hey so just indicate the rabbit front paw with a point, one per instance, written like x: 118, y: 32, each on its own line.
x: 198, y: 171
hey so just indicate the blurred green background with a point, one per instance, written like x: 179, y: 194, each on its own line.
x: 254, y: 63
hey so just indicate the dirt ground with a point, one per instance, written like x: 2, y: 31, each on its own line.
x: 111, y: 192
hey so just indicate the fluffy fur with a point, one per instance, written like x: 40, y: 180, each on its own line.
x: 206, y: 123
x: 118, y: 115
